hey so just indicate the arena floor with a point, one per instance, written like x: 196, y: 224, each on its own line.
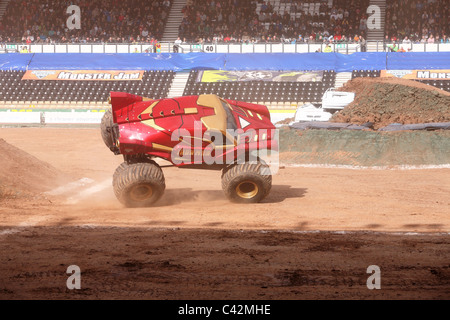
x: 313, y: 237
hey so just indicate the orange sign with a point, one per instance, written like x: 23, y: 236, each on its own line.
x: 417, y: 74
x: 83, y: 75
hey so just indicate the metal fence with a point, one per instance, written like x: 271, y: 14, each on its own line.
x: 345, y: 48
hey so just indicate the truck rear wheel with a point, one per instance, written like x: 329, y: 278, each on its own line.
x: 247, y: 183
x: 138, y: 184
x: 106, y: 128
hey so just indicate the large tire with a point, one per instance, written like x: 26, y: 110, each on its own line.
x: 119, y: 171
x: 124, y: 165
x: 247, y: 183
x: 138, y: 184
x: 106, y: 128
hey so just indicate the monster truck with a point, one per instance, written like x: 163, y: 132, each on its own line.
x: 199, y: 132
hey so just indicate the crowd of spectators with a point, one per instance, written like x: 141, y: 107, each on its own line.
x: 238, y: 21
x: 417, y: 21
x: 113, y: 21
x: 222, y: 21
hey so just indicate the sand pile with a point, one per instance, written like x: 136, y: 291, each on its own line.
x: 383, y: 101
x: 22, y: 174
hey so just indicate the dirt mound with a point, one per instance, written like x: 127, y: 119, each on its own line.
x: 383, y: 101
x: 22, y: 174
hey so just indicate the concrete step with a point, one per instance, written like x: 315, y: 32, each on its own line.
x: 178, y: 84
x: 372, y: 47
x: 173, y: 21
x: 342, y: 78
x: 377, y: 34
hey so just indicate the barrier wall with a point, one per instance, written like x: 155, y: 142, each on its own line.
x: 51, y: 117
x: 417, y: 60
x: 15, y: 61
x: 230, y: 61
x: 82, y: 117
x: 346, y: 48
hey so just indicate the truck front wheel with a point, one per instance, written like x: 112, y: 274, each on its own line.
x: 247, y: 183
x: 139, y: 184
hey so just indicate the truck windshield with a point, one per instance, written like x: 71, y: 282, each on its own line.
x: 231, y: 121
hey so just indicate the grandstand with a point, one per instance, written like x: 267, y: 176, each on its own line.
x: 217, y: 29
x: 222, y: 21
x: 264, y: 92
x: 14, y: 89
x: 274, y: 21
x: 44, y: 21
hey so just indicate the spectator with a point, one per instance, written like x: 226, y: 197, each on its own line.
x: 158, y: 47
x: 144, y: 32
x: 177, y: 44
x: 328, y: 49
x: 362, y: 43
x: 393, y: 47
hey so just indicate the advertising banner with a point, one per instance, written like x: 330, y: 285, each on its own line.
x: 259, y: 75
x: 417, y: 74
x: 84, y: 75
x: 73, y: 117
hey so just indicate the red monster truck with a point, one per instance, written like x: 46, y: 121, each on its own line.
x: 202, y: 132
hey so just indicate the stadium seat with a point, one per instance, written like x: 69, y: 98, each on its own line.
x: 13, y: 88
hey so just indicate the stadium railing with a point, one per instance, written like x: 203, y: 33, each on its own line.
x: 345, y: 48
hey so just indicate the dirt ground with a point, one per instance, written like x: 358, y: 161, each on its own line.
x: 313, y: 237
x: 383, y: 101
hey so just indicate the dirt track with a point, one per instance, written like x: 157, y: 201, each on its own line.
x: 195, y: 244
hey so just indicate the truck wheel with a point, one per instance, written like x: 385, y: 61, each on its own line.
x: 247, y: 183
x: 106, y: 129
x: 119, y: 171
x: 138, y: 184
x: 125, y: 165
